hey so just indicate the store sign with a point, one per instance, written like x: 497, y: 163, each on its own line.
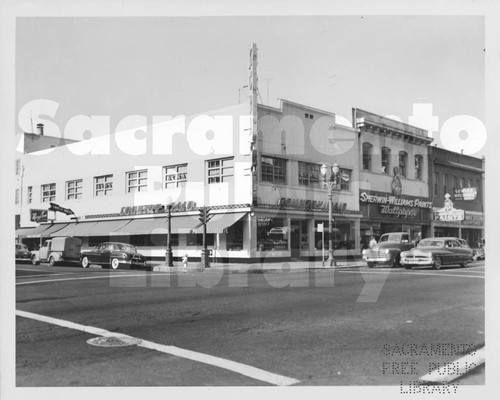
x: 302, y: 204
x: 465, y: 193
x: 57, y: 207
x: 448, y: 212
x: 394, y: 201
x: 473, y: 219
x: 158, y: 208
x: 38, y: 215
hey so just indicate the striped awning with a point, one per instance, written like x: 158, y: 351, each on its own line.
x: 220, y: 223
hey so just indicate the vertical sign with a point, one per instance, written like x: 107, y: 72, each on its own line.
x: 252, y: 86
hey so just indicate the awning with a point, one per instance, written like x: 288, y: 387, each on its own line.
x: 44, y: 230
x: 220, y: 222
x: 21, y: 232
x: 148, y: 226
x: 93, y: 228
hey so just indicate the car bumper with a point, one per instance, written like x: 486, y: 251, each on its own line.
x: 377, y: 259
x: 416, y: 261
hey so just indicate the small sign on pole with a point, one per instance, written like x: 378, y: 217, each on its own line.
x: 321, y: 228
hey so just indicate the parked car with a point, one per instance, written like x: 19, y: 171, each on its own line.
x: 387, y: 250
x: 114, y: 255
x: 22, y: 252
x: 479, y: 253
x: 437, y: 252
x: 59, y: 249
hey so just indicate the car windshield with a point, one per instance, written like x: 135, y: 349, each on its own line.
x: 431, y: 243
x: 390, y: 238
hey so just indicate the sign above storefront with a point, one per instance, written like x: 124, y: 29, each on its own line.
x: 158, y: 208
x: 57, y: 207
x: 448, y: 212
x: 394, y: 201
x: 37, y: 215
x: 309, y: 205
x: 394, y: 206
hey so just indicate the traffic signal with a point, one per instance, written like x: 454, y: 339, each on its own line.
x: 203, y: 215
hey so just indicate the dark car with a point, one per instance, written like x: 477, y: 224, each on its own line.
x: 437, y: 252
x: 115, y: 255
x: 22, y: 252
x: 387, y: 250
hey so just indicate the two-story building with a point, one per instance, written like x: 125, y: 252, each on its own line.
x: 393, y: 186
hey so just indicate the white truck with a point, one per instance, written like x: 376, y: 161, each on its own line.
x: 57, y: 250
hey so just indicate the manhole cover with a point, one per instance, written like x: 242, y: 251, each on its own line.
x: 114, y: 341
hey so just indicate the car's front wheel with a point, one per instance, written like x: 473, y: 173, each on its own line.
x: 85, y: 262
x: 115, y: 263
x: 370, y: 264
x: 34, y: 261
x: 407, y: 266
x: 437, y: 263
x: 52, y: 261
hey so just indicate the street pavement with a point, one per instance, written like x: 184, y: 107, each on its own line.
x: 318, y: 326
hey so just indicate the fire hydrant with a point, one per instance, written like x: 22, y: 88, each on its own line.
x: 185, y: 263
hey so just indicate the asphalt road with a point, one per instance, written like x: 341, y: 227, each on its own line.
x: 220, y: 328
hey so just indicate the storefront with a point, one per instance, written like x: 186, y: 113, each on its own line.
x: 383, y: 213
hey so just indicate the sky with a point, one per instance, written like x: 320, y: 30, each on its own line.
x: 121, y: 66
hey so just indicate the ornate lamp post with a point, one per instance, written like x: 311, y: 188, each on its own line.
x: 330, y: 185
x: 168, y: 253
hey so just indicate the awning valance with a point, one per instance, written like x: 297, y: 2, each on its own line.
x: 44, y: 230
x: 148, y: 226
x: 93, y: 228
x: 220, y: 222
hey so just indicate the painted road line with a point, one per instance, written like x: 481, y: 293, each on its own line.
x: 48, y: 274
x: 243, y: 369
x: 112, y: 276
x: 414, y: 273
x: 451, y: 371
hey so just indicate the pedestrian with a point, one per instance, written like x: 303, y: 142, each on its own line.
x: 373, y: 242
x: 185, y: 263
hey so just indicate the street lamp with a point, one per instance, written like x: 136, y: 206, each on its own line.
x: 330, y: 185
x: 168, y: 254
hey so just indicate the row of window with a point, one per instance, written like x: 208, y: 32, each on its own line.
x: 450, y: 182
x: 137, y: 181
x: 385, y: 161
x: 274, y: 170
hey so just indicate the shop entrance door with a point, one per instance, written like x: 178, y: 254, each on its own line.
x: 295, y: 242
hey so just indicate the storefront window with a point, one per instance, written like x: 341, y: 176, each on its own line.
x: 234, y: 236
x: 342, y: 235
x: 272, y: 234
x: 196, y: 239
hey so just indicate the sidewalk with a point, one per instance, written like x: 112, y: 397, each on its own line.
x: 260, y: 267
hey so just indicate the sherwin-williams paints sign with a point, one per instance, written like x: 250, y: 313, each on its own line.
x: 394, y: 206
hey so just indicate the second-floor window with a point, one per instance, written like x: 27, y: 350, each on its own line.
x: 30, y: 194
x: 175, y: 176
x: 386, y: 160
x: 220, y: 170
x: 418, y: 166
x: 309, y: 174
x: 103, y: 185
x: 403, y: 162
x: 273, y: 169
x: 74, y: 189
x: 436, y: 183
x: 48, y: 192
x: 345, y: 179
x: 367, y: 156
x: 137, y: 181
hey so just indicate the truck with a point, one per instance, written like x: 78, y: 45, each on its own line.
x: 58, y: 249
x: 387, y: 251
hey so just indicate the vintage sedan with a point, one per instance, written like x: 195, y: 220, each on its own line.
x: 437, y: 252
x: 113, y: 254
x: 22, y: 252
x: 387, y: 250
